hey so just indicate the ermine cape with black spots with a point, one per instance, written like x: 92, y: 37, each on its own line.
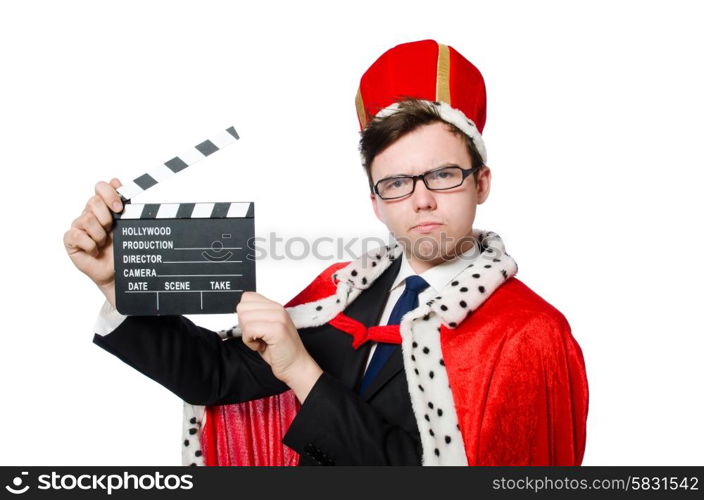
x: 494, y: 374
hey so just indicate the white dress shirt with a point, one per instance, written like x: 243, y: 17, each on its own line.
x: 108, y: 319
x: 437, y: 277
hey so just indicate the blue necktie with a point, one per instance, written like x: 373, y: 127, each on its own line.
x: 407, y: 302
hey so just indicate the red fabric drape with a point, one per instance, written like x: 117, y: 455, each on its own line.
x: 250, y: 433
x: 516, y: 373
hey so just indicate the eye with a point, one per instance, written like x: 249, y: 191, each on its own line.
x: 393, y: 183
x: 445, y: 173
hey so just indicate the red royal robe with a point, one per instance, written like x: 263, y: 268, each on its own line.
x: 517, y: 376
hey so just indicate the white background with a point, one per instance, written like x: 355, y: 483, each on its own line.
x: 594, y: 137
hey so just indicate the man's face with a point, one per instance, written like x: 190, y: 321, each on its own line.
x: 433, y: 226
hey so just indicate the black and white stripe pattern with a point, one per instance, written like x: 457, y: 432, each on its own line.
x: 187, y: 210
x: 178, y: 163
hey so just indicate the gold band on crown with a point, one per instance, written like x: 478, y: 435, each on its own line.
x: 359, y: 102
x: 442, y: 77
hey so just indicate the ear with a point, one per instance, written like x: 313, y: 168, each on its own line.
x: 483, y: 184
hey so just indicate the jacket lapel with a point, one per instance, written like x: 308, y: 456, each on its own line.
x: 380, y: 295
x: 367, y: 309
x: 392, y: 366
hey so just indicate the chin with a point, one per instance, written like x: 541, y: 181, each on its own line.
x: 426, y: 247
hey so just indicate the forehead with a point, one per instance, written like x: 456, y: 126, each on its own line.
x: 427, y: 147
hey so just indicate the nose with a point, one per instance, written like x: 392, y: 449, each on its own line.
x: 422, y: 197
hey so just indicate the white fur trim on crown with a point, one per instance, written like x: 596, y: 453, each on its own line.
x: 450, y: 115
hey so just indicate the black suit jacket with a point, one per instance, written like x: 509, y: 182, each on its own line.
x: 335, y: 425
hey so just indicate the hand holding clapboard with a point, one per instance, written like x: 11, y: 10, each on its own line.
x: 171, y: 258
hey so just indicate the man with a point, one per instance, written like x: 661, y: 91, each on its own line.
x: 487, y: 372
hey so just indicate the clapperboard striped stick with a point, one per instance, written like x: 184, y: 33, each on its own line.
x: 178, y: 163
x: 182, y: 258
x: 186, y: 210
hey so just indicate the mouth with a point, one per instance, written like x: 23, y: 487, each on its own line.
x: 426, y: 227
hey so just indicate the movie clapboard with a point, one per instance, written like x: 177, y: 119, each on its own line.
x: 182, y: 258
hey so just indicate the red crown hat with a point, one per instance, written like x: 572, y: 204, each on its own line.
x: 429, y: 71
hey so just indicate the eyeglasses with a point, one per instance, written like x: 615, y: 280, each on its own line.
x: 439, y: 179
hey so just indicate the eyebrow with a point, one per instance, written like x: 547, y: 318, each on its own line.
x: 446, y: 164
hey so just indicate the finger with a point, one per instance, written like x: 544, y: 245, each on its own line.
x: 258, y: 332
x: 245, y: 307
x: 253, y: 340
x: 109, y: 195
x: 254, y: 297
x: 90, y: 224
x: 77, y: 240
x: 97, y: 206
x: 115, y: 182
x: 256, y: 345
x: 253, y: 300
x: 275, y: 317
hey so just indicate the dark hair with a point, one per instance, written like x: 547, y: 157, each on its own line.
x: 381, y: 133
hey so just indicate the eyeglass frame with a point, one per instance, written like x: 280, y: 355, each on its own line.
x: 466, y: 172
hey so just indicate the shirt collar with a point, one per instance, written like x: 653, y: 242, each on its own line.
x: 440, y: 275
